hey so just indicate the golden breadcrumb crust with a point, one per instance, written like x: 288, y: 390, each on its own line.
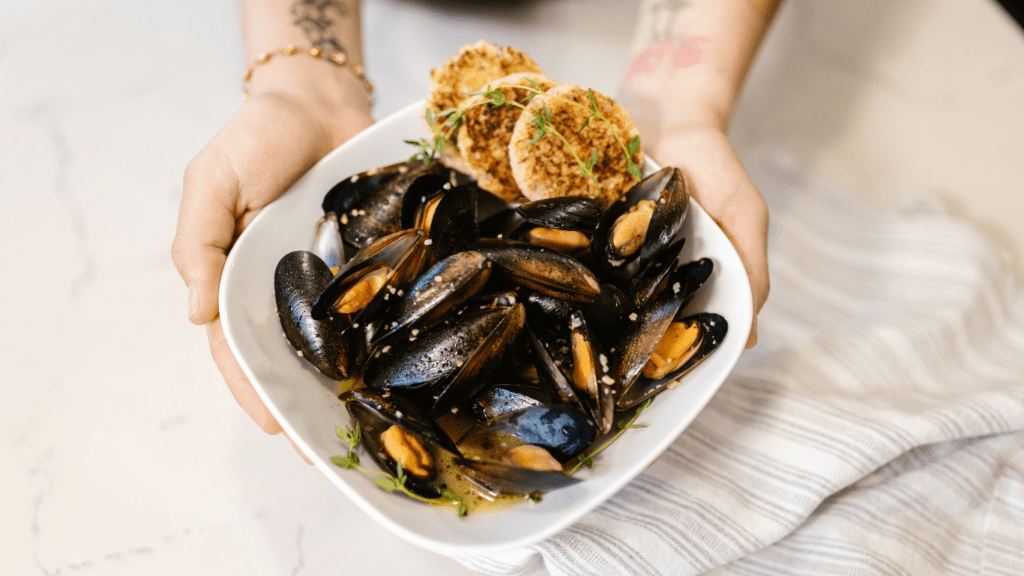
x: 486, y: 131
x: 471, y: 69
x: 547, y: 168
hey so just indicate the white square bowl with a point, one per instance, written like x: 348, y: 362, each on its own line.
x: 303, y: 402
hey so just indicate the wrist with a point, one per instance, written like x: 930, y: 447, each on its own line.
x: 318, y: 78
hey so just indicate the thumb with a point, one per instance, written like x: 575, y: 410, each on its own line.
x: 206, y: 226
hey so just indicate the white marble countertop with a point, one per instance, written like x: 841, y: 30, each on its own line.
x: 123, y: 451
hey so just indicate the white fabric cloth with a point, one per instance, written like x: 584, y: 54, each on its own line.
x: 878, y: 427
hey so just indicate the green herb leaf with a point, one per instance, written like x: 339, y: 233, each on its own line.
x: 346, y: 461
x: 535, y: 496
x: 462, y: 511
x: 587, y: 460
x: 385, y: 484
x: 428, y: 114
x: 497, y: 98
x: 593, y: 100
x: 633, y: 170
x: 532, y: 83
x: 634, y: 145
x: 584, y: 125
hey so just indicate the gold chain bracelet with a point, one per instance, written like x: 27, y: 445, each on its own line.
x: 337, y: 58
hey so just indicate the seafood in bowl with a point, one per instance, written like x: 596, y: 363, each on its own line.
x: 450, y: 295
x: 305, y: 401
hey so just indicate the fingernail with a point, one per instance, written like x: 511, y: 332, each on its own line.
x: 193, y: 301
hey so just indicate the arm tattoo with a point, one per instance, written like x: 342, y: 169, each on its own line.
x: 317, y: 19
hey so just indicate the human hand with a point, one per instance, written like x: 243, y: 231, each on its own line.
x: 284, y: 128
x: 719, y: 183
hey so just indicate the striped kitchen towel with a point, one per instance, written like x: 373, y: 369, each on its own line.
x: 878, y: 427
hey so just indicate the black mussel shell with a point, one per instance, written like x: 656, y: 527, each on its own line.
x: 380, y: 212
x: 714, y: 329
x: 608, y: 309
x: 499, y: 478
x: 696, y: 273
x: 403, y: 251
x: 668, y: 189
x: 347, y: 194
x: 419, y: 194
x: 454, y: 226
x: 541, y: 269
x: 374, y: 412
x: 652, y: 278
x: 415, y: 360
x: 482, y: 364
x: 563, y: 213
x: 441, y: 289
x: 640, y: 333
x: 545, y: 310
x: 298, y: 280
x: 550, y: 374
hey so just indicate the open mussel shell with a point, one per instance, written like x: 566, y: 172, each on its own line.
x: 713, y: 329
x: 420, y: 199
x: 377, y: 412
x: 441, y: 289
x: 562, y: 430
x: 541, y: 269
x: 664, y: 196
x: 569, y: 354
x: 402, y: 253
x: 550, y: 374
x: 563, y: 224
x: 299, y: 278
x: 500, y: 478
x: 640, y: 333
x: 380, y: 211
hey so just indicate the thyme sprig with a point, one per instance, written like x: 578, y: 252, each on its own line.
x: 388, y: 482
x: 444, y: 124
x: 587, y: 459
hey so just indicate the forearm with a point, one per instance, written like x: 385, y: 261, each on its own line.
x: 330, y: 26
x: 690, y: 59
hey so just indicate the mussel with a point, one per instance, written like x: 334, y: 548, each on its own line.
x: 395, y: 430
x: 299, y: 279
x: 522, y: 452
x: 643, y: 222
